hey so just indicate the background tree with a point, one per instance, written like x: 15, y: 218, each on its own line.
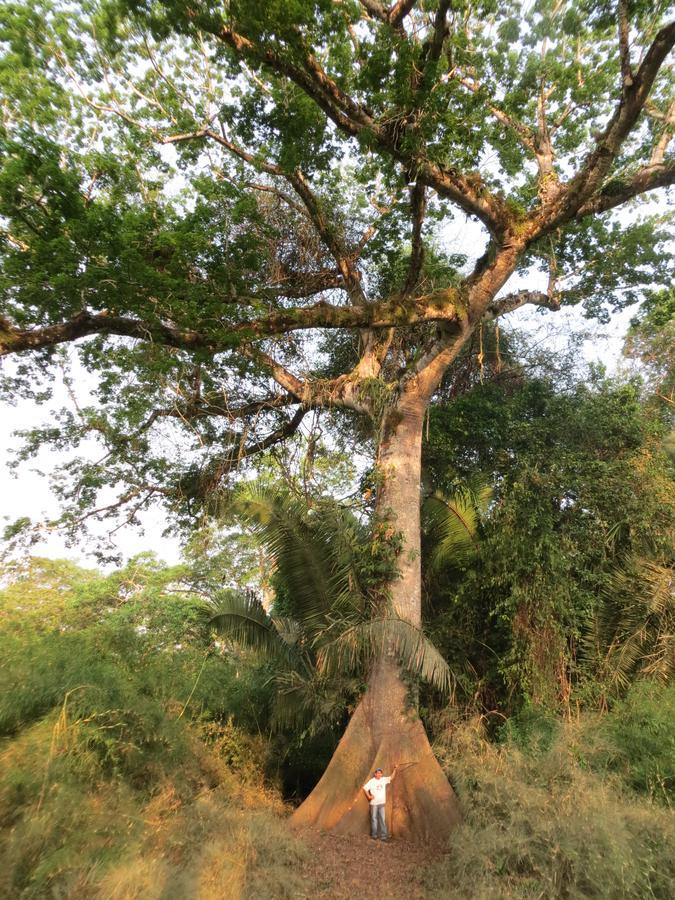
x: 320, y: 149
x: 650, y: 340
x: 569, y: 597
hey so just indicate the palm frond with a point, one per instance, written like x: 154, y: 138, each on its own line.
x: 451, y: 524
x: 341, y: 534
x: 306, y: 700
x: 244, y: 621
x: 279, y: 521
x: 289, y: 630
x: 294, y: 700
x: 313, y: 552
x: 365, y: 641
x: 633, y: 633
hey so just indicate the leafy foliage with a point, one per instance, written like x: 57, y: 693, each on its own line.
x: 651, y: 337
x: 328, y: 620
x: 581, y: 487
x: 640, y: 741
x: 196, y: 192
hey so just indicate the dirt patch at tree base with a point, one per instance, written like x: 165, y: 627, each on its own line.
x: 359, y: 868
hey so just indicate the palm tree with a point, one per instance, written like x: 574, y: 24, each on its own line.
x: 633, y: 633
x: 330, y: 619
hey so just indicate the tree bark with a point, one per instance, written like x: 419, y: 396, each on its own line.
x: 385, y: 728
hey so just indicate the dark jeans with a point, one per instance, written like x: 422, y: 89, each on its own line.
x: 377, y: 819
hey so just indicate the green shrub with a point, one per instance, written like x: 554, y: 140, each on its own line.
x: 113, y: 747
x: 114, y: 667
x: 636, y: 740
x: 532, y: 730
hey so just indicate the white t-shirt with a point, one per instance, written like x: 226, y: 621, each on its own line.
x: 378, y: 788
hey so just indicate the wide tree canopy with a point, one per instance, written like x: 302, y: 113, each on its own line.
x: 257, y: 210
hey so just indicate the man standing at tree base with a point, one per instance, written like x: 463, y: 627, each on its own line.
x: 376, y: 792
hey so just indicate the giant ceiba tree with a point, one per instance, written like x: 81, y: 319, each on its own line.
x: 247, y: 210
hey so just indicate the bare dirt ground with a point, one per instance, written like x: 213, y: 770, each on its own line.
x: 359, y: 868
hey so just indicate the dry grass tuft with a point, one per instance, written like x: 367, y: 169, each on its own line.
x: 540, y: 826
x: 200, y: 831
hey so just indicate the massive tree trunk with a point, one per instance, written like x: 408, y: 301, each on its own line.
x: 385, y: 728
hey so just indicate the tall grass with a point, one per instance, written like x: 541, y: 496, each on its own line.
x: 196, y: 830
x: 130, y: 766
x: 553, y: 819
x: 204, y: 824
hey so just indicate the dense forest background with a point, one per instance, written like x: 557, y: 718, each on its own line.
x: 156, y: 719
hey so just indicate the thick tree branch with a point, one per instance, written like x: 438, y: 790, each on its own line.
x: 580, y: 189
x: 434, y: 47
x: 375, y: 9
x: 15, y: 340
x: 437, y: 306
x: 468, y: 192
x: 423, y: 70
x: 507, y: 304
x: 399, y: 11
x: 615, y: 193
x: 659, y: 151
x: 624, y: 45
x: 348, y: 115
x: 376, y: 344
x: 433, y: 364
x: 340, y: 392
x: 283, y: 377
x: 231, y: 459
x: 393, y: 16
x: 548, y: 179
